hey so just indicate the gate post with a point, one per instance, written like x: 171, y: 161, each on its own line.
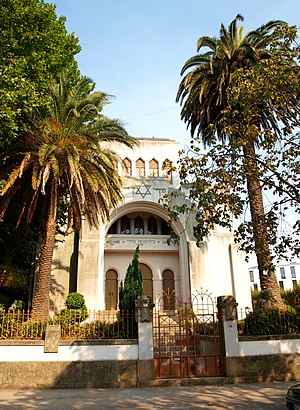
x: 227, y: 316
x: 144, y: 316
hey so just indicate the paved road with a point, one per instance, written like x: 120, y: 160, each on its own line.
x: 247, y: 396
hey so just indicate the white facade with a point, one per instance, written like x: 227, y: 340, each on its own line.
x: 97, y: 264
x: 287, y: 273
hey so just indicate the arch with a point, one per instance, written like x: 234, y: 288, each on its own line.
x: 139, y: 225
x: 140, y: 167
x: 147, y: 280
x: 128, y: 167
x: 183, y: 288
x: 111, y: 289
x: 125, y: 224
x: 168, y: 289
x: 152, y: 226
x: 153, y: 168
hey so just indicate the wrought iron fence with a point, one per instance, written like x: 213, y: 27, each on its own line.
x: 75, y: 324
x: 267, y: 321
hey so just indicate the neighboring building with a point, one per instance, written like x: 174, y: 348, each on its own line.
x: 287, y: 273
x: 96, y: 263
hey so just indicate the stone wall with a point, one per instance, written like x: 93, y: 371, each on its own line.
x: 264, y: 368
x: 106, y: 373
x: 102, y: 363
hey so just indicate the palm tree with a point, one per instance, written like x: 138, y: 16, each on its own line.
x: 64, y: 158
x: 203, y: 94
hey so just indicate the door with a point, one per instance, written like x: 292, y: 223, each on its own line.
x: 147, y: 280
x: 111, y: 290
x: 168, y: 289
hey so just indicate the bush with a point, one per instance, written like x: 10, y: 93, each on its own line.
x: 17, y: 305
x: 75, y: 300
x: 272, y: 322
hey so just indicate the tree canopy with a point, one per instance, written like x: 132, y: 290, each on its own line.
x: 240, y: 100
x: 34, y: 48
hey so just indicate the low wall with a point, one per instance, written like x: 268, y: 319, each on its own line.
x: 264, y: 368
x: 256, y: 358
x: 268, y: 345
x: 260, y: 358
x: 23, y: 364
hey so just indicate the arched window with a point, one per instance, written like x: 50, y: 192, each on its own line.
x: 169, y: 289
x: 111, y: 290
x: 125, y: 225
x: 165, y: 228
x: 147, y: 280
x: 153, y: 168
x: 152, y: 226
x: 112, y: 229
x: 128, y: 167
x: 140, y: 167
x: 138, y: 225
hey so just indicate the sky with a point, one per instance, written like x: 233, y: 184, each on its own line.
x: 134, y: 50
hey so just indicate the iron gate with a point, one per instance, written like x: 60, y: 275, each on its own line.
x: 186, y: 338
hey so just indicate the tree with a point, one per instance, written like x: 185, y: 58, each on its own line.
x: 64, y: 158
x: 234, y: 125
x: 133, y: 284
x: 34, y: 48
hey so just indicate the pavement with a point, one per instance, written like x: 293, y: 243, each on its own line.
x: 243, y: 396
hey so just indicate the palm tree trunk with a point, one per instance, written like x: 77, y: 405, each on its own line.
x: 267, y: 277
x: 40, y: 304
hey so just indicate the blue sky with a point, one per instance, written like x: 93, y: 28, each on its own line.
x: 135, y: 49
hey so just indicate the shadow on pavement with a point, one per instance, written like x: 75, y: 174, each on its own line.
x: 248, y: 396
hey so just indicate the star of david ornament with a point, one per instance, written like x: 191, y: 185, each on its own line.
x: 143, y: 190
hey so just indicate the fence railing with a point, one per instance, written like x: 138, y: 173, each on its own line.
x: 75, y: 324
x: 267, y: 321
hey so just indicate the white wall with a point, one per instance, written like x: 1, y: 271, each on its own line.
x: 68, y: 353
x: 267, y: 347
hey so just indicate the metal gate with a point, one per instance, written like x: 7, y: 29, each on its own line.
x: 186, y: 337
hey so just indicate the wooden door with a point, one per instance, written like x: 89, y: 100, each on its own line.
x: 111, y: 290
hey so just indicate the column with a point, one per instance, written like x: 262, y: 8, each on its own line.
x: 144, y: 315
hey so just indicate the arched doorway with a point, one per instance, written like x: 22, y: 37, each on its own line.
x: 111, y: 290
x: 147, y: 280
x: 169, y: 289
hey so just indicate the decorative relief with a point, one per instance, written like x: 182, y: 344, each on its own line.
x: 143, y: 190
x: 111, y: 241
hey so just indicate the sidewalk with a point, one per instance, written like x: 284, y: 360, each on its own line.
x: 247, y: 396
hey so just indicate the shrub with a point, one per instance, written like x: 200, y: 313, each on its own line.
x: 17, y: 305
x: 133, y: 284
x: 272, y: 322
x: 75, y: 300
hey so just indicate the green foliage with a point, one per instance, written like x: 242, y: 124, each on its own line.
x: 64, y: 161
x: 238, y: 95
x: 290, y: 297
x: 75, y: 300
x: 35, y: 47
x: 133, y: 284
x: 75, y: 312
x: 17, y: 325
x: 17, y: 305
x: 271, y: 322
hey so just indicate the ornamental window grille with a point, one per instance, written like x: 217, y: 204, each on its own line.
x: 153, y: 168
x: 125, y: 225
x: 152, y: 226
x: 140, y: 167
x: 127, y: 167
